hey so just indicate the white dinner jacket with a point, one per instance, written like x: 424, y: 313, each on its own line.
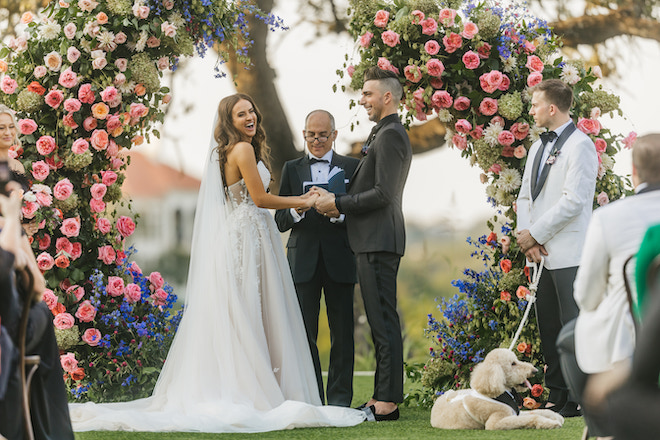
x: 559, y: 216
x: 604, y: 331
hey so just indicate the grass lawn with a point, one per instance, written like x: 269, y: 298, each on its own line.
x: 413, y: 424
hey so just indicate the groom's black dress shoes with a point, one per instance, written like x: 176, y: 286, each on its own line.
x: 370, y: 411
x: 570, y: 409
x: 363, y: 406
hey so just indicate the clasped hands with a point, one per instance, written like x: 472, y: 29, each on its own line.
x: 323, y: 201
x: 528, y: 244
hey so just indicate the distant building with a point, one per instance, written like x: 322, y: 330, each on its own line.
x: 164, y: 200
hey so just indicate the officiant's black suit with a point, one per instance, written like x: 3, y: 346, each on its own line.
x: 376, y: 232
x: 320, y: 258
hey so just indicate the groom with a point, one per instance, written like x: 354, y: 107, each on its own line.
x: 320, y: 256
x: 376, y: 232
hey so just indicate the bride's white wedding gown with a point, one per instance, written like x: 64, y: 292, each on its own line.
x: 240, y: 361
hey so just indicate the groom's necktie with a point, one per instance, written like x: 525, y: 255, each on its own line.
x: 546, y: 137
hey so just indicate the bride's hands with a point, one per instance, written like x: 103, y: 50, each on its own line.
x: 309, y: 199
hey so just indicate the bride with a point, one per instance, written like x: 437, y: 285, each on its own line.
x: 240, y: 361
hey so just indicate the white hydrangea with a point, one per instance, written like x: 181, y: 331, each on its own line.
x: 510, y: 180
x: 491, y: 191
x: 176, y: 19
x: 570, y: 74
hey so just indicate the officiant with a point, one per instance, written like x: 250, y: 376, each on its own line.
x: 319, y: 254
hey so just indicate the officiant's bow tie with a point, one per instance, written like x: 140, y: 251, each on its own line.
x: 313, y: 160
x: 548, y: 136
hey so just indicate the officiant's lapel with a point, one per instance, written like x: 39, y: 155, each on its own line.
x: 304, y: 170
x: 568, y: 131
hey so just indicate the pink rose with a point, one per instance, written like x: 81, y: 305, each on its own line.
x: 103, y: 225
x: 54, y: 98
x: 601, y: 145
x: 595, y: 113
x: 534, y: 78
x: 53, y: 61
x: 72, y: 105
x: 432, y: 47
x: 469, y: 30
x: 463, y: 126
x: 70, y: 227
x: 132, y: 293
x: 588, y: 126
x: 499, y: 120
x: 63, y: 321
x: 447, y: 16
x: 44, y: 199
x: 76, y: 250
x: 163, y: 63
x: 520, y: 130
x: 390, y: 38
x: 350, y: 70
x: 99, y: 139
x: 504, y: 85
x: 86, y: 311
x: 168, y: 4
x: 27, y: 126
x: 365, y: 39
x: 138, y: 110
x: 46, y: 145
x: 90, y: 123
x: 412, y: 73
x: 496, y: 168
x: 506, y: 138
x: 86, y: 94
x: 121, y: 64
x: 120, y: 38
x: 153, y: 42
x: 111, y: 152
x: 159, y: 297
x: 44, y: 242
x: 429, y: 26
x: 135, y: 268
x: 141, y: 11
x: 452, y: 42
x: 459, y: 141
x: 120, y: 79
x: 506, y: 244
x: 434, y: 67
x: 483, y: 49
x: 488, y: 106
x: 40, y: 170
x: 522, y: 292
x: 109, y: 93
x: 107, y: 254
x: 29, y: 209
x: 125, y: 226
x: 97, y: 205
x: 99, y: 63
x: 534, y: 63
x: 471, y: 60
x: 519, y: 152
x: 69, y: 362
x: 108, y: 177
x: 77, y: 292
x: 87, y: 5
x: 45, y: 261
x: 70, y: 31
x: 436, y: 83
x: 115, y: 286
x: 63, y: 244
x: 92, y: 337
x: 417, y: 16
x: 98, y: 190
x: 382, y: 17
x: 384, y: 64
x: 49, y: 298
x: 602, y: 198
x: 69, y: 121
x: 168, y: 29
x: 462, y: 103
x: 79, y: 146
x: 40, y: 71
x: 156, y: 280
x: 72, y: 54
x: 442, y: 99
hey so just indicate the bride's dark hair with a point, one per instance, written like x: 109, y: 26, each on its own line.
x: 227, y: 136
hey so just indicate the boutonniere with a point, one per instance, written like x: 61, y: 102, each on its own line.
x: 553, y: 157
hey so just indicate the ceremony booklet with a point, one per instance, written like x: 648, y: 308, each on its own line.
x: 336, y: 182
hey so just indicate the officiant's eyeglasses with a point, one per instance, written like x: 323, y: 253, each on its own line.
x: 321, y: 139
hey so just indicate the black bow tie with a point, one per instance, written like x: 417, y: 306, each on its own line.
x: 548, y: 136
x: 313, y: 160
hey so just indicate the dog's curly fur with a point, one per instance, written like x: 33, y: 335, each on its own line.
x: 499, y: 372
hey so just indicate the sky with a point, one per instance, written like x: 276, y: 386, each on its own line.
x: 442, y: 187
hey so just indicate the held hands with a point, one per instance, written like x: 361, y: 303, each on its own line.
x: 325, y: 204
x: 535, y: 253
x: 309, y: 199
x: 525, y: 240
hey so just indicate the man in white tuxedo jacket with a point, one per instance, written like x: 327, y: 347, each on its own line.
x: 604, y: 332
x: 554, y: 207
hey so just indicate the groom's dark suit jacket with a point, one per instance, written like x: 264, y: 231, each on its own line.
x: 315, y: 232
x: 374, y: 218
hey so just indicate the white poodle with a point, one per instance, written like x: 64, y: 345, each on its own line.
x: 476, y: 408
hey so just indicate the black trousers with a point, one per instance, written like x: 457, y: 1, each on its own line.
x: 339, y: 307
x: 377, y: 272
x: 555, y: 307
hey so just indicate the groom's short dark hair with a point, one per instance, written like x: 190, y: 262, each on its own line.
x: 556, y: 92
x: 387, y: 78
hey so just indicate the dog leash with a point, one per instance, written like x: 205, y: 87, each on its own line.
x: 531, y: 297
